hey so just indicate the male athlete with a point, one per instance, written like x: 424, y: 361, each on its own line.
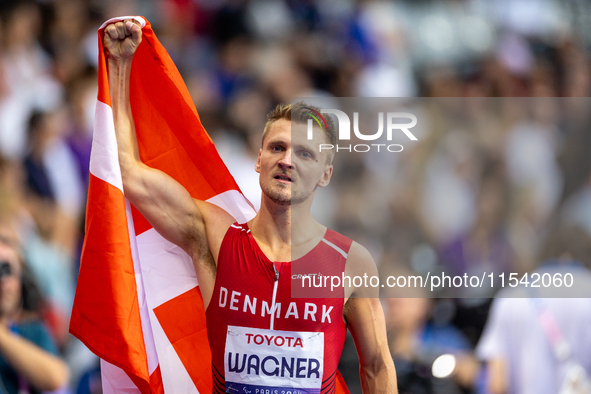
x: 262, y: 340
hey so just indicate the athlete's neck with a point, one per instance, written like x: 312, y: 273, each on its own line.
x: 281, y: 227
x: 273, y: 223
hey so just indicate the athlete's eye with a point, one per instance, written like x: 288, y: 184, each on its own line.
x: 276, y: 148
x: 306, y: 154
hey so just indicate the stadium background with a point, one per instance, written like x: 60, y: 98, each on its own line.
x: 496, y: 177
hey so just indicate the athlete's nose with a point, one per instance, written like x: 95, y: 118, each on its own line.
x: 285, y: 160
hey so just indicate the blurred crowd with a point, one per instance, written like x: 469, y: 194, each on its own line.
x: 483, y: 192
x: 488, y: 181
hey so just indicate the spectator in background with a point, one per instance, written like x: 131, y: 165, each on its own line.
x: 577, y: 207
x: 26, y: 74
x: 91, y: 381
x: 484, y: 248
x: 28, y: 361
x: 416, y: 341
x: 522, y: 354
x: 38, y: 181
x: 52, y: 193
x: 51, y: 166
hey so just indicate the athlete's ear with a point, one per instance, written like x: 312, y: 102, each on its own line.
x: 325, y: 180
x: 257, y: 166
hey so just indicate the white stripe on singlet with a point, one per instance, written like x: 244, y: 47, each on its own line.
x: 341, y: 251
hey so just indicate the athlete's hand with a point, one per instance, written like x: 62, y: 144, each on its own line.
x: 122, y: 39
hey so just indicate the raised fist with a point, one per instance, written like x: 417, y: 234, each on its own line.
x: 122, y: 39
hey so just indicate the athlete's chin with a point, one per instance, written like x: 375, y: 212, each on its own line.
x: 284, y: 196
x: 279, y: 197
x: 284, y: 200
x: 281, y: 202
x: 295, y: 200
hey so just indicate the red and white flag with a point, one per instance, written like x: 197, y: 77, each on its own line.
x: 138, y: 304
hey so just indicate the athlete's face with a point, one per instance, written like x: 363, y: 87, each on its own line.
x: 291, y: 166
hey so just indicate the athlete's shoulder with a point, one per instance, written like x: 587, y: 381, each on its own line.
x: 361, y: 264
x: 338, y: 241
x: 360, y: 258
x: 355, y: 253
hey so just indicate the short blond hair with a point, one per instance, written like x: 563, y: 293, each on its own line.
x: 300, y: 113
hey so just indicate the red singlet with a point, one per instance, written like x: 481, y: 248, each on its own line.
x: 263, y: 340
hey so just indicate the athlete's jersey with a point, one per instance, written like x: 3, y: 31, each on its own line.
x: 263, y: 340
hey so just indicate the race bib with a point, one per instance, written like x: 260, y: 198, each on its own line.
x: 259, y: 361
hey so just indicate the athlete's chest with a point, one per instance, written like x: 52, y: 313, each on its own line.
x: 251, y: 289
x: 264, y: 295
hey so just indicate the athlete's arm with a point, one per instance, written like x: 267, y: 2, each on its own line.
x: 161, y: 200
x: 365, y: 318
